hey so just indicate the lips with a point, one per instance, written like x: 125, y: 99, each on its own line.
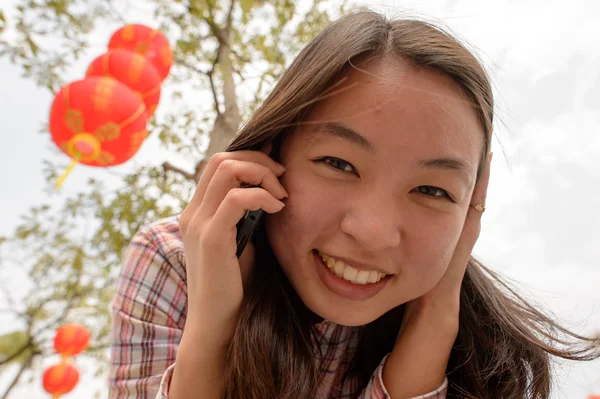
x: 343, y: 288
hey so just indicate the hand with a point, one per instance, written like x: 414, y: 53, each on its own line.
x: 417, y: 364
x: 444, y: 297
x: 208, y: 227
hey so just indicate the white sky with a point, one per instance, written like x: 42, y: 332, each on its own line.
x: 542, y: 218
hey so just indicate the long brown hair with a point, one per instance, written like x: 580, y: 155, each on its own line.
x: 504, y: 343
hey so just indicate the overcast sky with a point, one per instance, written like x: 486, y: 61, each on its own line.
x: 541, y: 227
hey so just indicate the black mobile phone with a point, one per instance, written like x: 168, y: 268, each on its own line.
x: 245, y: 229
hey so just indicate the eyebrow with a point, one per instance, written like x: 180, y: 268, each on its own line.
x: 452, y: 164
x: 345, y: 133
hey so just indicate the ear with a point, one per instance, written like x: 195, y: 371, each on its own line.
x: 273, y: 149
x: 267, y: 149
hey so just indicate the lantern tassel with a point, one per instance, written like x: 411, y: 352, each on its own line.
x: 62, y: 178
x: 64, y: 359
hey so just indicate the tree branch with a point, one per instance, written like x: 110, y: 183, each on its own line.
x: 172, y: 168
x: 261, y: 82
x: 230, y: 15
x: 210, y: 20
x: 213, y: 88
x: 209, y: 74
x: 243, y: 59
x: 18, y: 353
x: 26, y: 364
x: 11, y: 303
x: 55, y: 323
x: 115, y: 12
x: 184, y: 63
x: 239, y: 73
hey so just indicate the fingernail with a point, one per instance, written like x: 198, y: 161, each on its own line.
x: 281, y: 167
x: 283, y: 191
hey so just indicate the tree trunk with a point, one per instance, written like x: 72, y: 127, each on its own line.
x: 227, y: 122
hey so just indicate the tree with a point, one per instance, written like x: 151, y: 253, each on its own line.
x: 70, y: 251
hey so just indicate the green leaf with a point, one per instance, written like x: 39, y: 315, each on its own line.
x: 2, y: 21
x: 32, y: 46
x: 12, y: 343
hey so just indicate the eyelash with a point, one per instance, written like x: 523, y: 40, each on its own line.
x: 331, y: 160
x: 436, y: 190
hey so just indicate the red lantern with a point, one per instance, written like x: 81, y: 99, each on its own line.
x: 60, y: 379
x: 71, y: 340
x: 97, y: 121
x: 146, y: 41
x: 132, y: 69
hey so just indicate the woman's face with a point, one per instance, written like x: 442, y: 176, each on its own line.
x: 379, y: 178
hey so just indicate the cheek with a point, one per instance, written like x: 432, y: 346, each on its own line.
x: 294, y: 231
x: 431, y: 246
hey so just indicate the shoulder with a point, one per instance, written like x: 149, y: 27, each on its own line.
x: 161, y: 238
x: 162, y: 235
x: 157, y: 248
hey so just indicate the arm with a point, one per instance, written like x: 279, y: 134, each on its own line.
x: 416, y: 366
x: 377, y: 390
x: 200, y: 365
x: 420, y: 355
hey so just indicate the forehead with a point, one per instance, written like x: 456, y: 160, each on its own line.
x: 398, y: 107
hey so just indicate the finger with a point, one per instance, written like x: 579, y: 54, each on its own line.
x: 471, y: 229
x: 479, y: 197
x: 233, y: 174
x: 235, y: 205
x: 216, y: 160
x: 473, y: 220
x: 480, y: 192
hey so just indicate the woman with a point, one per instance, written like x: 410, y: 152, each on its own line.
x: 371, y: 159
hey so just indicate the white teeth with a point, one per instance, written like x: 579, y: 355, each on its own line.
x: 362, y: 276
x: 373, y: 276
x: 349, y: 273
x: 338, y: 268
x: 330, y: 263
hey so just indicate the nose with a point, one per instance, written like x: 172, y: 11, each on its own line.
x: 374, y: 223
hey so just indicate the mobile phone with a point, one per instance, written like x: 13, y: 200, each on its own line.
x: 245, y: 229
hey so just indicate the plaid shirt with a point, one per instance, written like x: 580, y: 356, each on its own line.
x: 149, y: 313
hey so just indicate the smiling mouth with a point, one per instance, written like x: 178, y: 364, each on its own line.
x: 349, y: 273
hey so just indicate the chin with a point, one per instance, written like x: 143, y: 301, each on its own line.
x: 342, y: 311
x: 350, y: 320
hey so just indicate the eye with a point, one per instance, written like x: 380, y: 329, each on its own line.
x: 432, y: 191
x: 338, y: 164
